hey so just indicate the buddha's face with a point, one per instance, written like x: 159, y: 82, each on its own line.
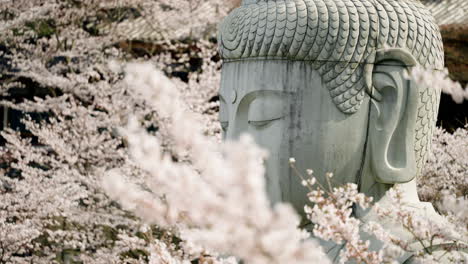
x: 288, y: 110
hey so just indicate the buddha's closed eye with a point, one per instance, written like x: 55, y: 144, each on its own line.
x: 265, y: 109
x: 260, y: 124
x: 257, y: 109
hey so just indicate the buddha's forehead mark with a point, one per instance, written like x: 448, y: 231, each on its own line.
x: 222, y: 94
x: 233, y: 96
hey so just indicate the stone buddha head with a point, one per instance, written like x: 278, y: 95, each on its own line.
x: 323, y: 81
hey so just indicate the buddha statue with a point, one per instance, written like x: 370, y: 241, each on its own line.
x: 323, y: 81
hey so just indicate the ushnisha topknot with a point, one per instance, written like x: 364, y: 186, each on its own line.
x: 338, y: 37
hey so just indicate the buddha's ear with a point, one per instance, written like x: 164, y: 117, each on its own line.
x: 392, y: 119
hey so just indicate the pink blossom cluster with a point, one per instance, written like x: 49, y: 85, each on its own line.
x: 400, y: 230
x: 430, y: 238
x: 331, y: 212
x: 183, y: 197
x: 445, y: 173
x: 439, y: 80
x: 52, y: 206
x: 223, y: 205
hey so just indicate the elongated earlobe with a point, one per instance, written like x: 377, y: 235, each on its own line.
x: 392, y: 121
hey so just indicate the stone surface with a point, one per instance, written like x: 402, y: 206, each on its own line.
x: 448, y: 12
x: 287, y: 109
x: 323, y: 82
